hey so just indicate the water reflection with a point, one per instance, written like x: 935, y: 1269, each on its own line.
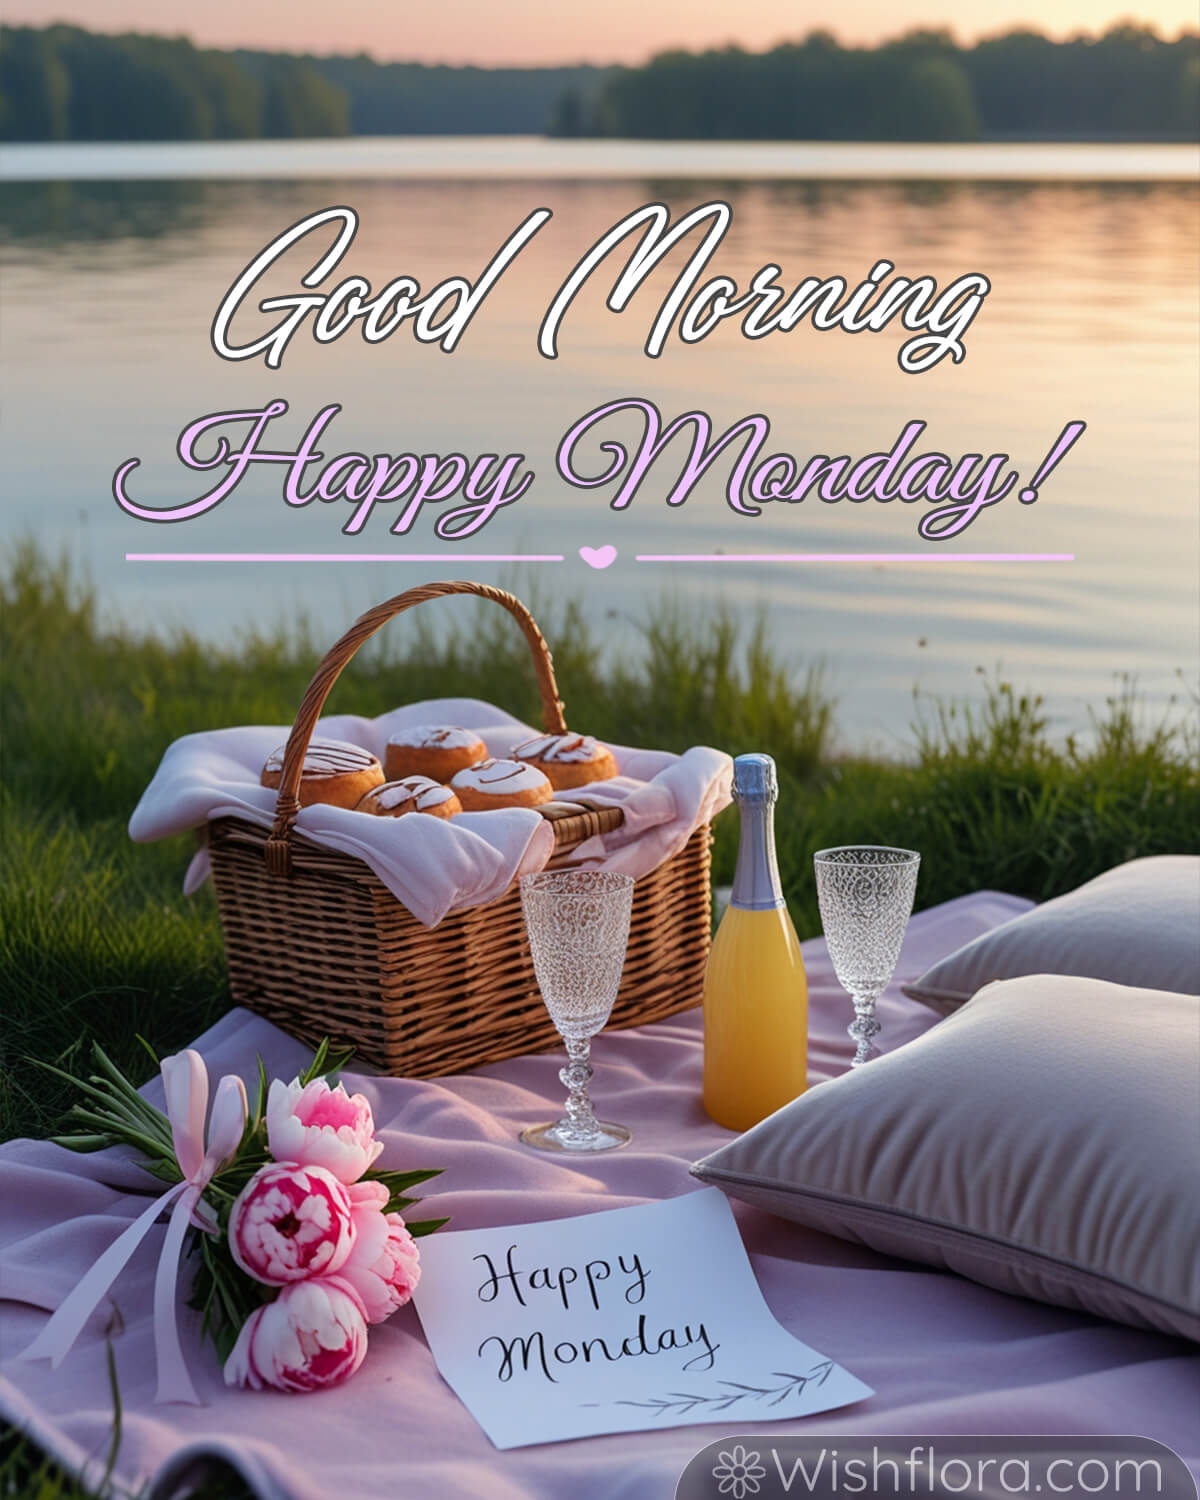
x: 110, y: 288
x: 58, y: 214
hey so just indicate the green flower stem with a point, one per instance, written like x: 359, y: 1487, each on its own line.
x: 120, y: 1081
x: 124, y: 1097
x: 127, y: 1135
x: 113, y: 1114
x: 112, y: 1118
x: 102, y: 1095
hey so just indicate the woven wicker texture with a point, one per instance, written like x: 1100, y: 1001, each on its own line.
x: 319, y: 945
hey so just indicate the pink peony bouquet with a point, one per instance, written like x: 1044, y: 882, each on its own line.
x: 298, y: 1237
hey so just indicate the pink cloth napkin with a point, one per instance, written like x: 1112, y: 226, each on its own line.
x: 944, y: 1355
x: 432, y: 865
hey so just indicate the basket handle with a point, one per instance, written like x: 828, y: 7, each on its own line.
x: 287, y: 804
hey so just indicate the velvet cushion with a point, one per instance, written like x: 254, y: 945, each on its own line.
x: 1042, y: 1140
x: 1137, y: 924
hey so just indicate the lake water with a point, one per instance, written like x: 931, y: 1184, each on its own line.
x: 114, y: 259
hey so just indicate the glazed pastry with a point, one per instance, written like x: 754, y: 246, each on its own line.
x: 334, y: 771
x: 432, y: 750
x: 392, y: 799
x: 568, y: 759
x: 501, y: 783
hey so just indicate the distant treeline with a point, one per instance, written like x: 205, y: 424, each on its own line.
x: 1128, y: 83
x: 414, y: 99
x: 65, y: 83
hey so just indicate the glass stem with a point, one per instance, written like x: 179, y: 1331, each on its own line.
x: 863, y: 1029
x: 580, y: 1120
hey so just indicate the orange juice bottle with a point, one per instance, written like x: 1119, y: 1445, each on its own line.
x: 755, y: 990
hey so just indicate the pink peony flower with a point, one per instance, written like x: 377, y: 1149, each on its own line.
x: 321, y: 1127
x: 312, y: 1336
x: 291, y: 1222
x: 385, y: 1264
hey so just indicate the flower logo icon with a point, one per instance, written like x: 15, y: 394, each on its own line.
x: 737, y: 1473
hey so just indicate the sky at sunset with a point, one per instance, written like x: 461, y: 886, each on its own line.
x: 549, y: 31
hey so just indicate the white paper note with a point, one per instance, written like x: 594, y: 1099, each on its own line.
x: 619, y: 1321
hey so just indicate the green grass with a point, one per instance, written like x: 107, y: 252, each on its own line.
x: 26, y: 1475
x: 96, y: 941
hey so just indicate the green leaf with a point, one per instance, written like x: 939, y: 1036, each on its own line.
x: 325, y: 1064
x: 337, y: 1063
x: 260, y: 1107
x: 223, y: 1293
x: 317, y: 1066
x: 398, y: 1182
x: 419, y: 1227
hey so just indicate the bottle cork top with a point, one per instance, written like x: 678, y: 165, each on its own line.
x: 754, y: 778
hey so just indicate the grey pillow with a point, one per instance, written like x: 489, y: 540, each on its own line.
x: 1137, y: 924
x: 1042, y: 1140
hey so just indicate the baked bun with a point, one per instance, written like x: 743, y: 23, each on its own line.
x: 392, y: 799
x: 334, y: 771
x: 501, y: 783
x: 568, y: 759
x: 432, y: 750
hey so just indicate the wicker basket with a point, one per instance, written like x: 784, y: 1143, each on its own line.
x: 318, y: 944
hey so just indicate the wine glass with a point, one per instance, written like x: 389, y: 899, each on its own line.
x: 865, y: 894
x: 578, y: 925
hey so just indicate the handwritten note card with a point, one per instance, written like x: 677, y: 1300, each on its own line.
x: 615, y: 1322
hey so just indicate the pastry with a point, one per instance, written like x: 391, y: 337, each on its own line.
x: 568, y: 759
x: 432, y: 750
x: 392, y: 799
x: 334, y: 771
x: 501, y: 783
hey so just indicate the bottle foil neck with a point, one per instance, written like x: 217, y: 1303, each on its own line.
x: 756, y: 884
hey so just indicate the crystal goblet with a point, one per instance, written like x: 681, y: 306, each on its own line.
x: 578, y: 925
x: 865, y: 893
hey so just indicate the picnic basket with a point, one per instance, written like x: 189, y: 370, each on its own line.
x: 318, y: 944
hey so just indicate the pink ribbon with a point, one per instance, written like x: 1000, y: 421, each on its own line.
x: 185, y: 1082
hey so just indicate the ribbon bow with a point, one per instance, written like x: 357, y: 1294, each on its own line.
x: 185, y: 1082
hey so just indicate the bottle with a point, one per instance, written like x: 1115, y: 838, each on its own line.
x: 755, y: 989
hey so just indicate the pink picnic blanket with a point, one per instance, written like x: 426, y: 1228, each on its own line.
x: 944, y: 1355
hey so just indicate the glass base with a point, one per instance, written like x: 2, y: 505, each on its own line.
x: 560, y: 1135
